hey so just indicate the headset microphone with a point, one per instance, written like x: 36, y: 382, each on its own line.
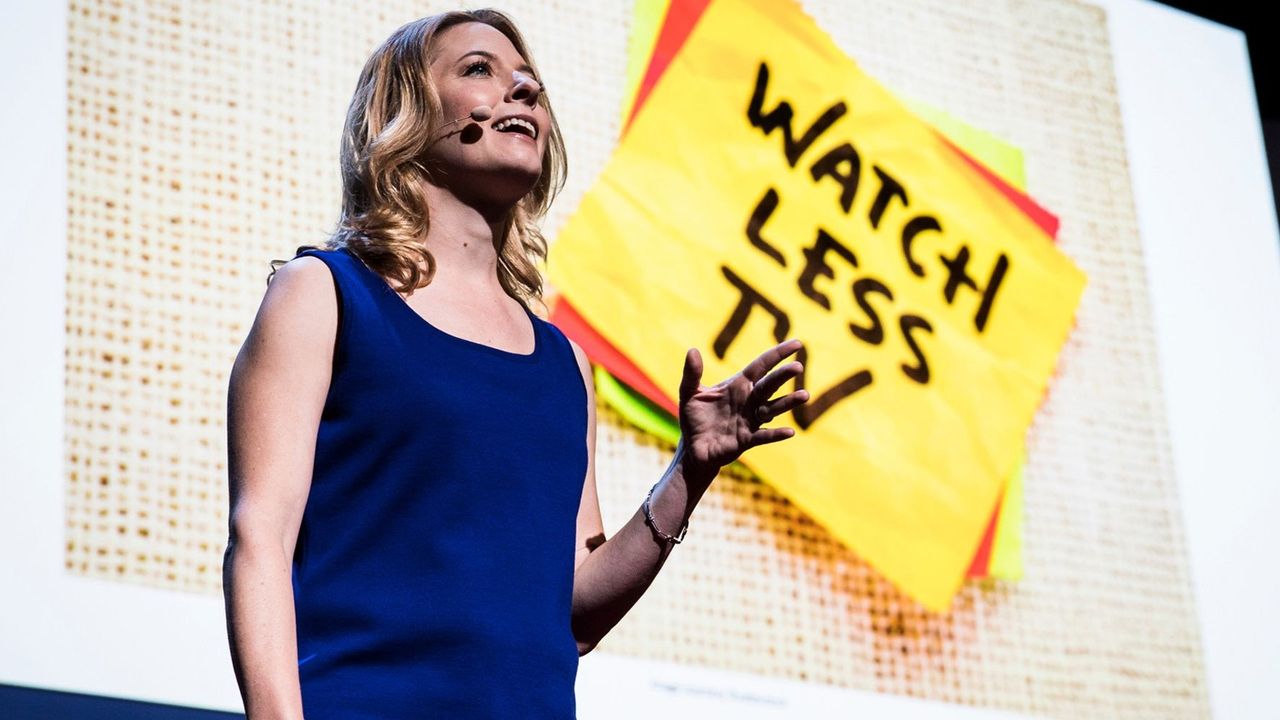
x: 479, y: 113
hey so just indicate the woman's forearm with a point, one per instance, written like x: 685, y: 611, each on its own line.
x: 613, y: 577
x: 258, y: 590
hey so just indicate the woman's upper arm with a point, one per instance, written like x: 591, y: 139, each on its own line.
x: 590, y: 524
x: 275, y: 397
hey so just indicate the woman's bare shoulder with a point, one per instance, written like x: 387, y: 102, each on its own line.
x: 298, y: 318
x: 303, y: 285
x: 275, y: 400
x: 306, y: 274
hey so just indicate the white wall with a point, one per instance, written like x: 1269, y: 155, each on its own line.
x: 1207, y: 217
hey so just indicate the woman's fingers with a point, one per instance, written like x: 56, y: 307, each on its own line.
x: 765, y: 436
x: 786, y: 403
x: 765, y: 389
x: 757, y: 368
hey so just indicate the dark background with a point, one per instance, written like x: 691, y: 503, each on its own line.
x: 1250, y: 17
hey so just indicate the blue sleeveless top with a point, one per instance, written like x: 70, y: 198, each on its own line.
x: 433, y: 573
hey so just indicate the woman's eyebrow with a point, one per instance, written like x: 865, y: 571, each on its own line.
x: 524, y: 67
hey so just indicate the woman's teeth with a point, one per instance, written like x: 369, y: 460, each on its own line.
x: 503, y: 125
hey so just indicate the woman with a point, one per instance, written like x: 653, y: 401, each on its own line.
x: 414, y: 523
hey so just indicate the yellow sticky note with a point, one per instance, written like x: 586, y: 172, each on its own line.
x: 1006, y: 161
x: 1002, y: 158
x: 775, y: 191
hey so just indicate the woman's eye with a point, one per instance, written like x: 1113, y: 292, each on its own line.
x: 483, y: 66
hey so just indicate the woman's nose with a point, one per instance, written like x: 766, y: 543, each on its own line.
x: 524, y: 88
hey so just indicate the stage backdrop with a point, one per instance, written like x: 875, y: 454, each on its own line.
x: 201, y: 144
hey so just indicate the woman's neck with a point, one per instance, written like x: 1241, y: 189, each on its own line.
x: 461, y: 237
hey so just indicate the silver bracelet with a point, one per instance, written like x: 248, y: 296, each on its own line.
x: 648, y: 520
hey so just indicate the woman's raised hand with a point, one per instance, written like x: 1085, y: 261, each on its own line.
x: 719, y: 423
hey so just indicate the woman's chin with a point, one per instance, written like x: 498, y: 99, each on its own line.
x: 496, y: 192
x: 506, y: 186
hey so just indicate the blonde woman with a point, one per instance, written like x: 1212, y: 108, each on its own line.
x: 414, y: 525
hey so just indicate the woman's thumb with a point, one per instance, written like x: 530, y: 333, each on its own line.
x: 692, y: 374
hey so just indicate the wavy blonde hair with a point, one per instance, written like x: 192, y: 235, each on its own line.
x: 394, y: 113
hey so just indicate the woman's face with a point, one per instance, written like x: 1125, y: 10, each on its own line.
x: 494, y: 161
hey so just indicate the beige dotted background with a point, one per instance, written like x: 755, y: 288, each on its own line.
x: 202, y: 143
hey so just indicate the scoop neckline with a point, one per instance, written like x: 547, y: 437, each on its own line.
x: 519, y: 357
